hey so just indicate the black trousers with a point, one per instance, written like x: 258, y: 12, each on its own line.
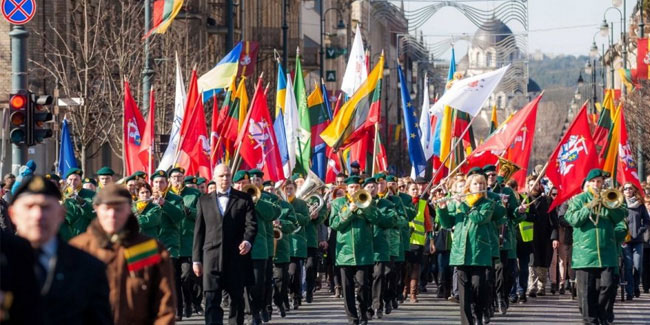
x: 295, y: 278
x: 256, y: 292
x: 185, y: 296
x: 379, y: 284
x: 490, y: 279
x: 399, y: 281
x: 280, y: 284
x: 233, y: 284
x: 268, y: 286
x: 472, y: 289
x: 361, y: 276
x: 311, y: 269
x: 596, y: 287
x: 176, y: 263
x: 504, y: 276
x: 391, y: 275
x: 645, y: 276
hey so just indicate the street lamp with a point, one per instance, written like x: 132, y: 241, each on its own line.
x: 581, y: 81
x: 588, y: 68
x: 604, y: 28
x: 617, y: 3
x: 341, y: 31
x: 593, y: 52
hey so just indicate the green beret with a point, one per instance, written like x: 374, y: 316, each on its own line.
x: 239, y: 175
x: 189, y: 180
x: 177, y: 169
x: 391, y: 178
x: 369, y: 180
x: 475, y: 170
x: 353, y: 180
x: 53, y: 177
x: 200, y: 180
x: 158, y: 173
x: 131, y: 178
x: 212, y: 183
x: 489, y: 168
x: 380, y: 177
x: 295, y: 176
x: 74, y: 171
x: 256, y: 173
x: 105, y: 171
x: 37, y: 185
x: 89, y: 181
x: 268, y: 183
x: 596, y: 172
x: 140, y: 174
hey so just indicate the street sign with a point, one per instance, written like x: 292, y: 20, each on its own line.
x: 18, y: 12
x: 330, y: 75
x: 74, y: 101
x: 334, y: 52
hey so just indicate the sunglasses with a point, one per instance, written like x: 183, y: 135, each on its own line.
x: 628, y: 189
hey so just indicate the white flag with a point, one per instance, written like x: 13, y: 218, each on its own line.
x: 469, y: 94
x: 426, y: 138
x: 179, y: 110
x: 356, y: 71
x: 291, y: 125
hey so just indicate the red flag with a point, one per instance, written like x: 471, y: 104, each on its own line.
x: 642, y: 59
x: 192, y: 96
x: 215, y: 155
x: 248, y: 58
x: 381, y: 161
x: 572, y: 159
x: 521, y: 147
x: 333, y: 166
x: 258, y: 145
x: 626, y: 170
x: 133, y: 125
x: 195, y: 142
x: 146, y: 149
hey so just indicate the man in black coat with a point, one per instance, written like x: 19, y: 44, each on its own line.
x: 72, y: 283
x: 223, y: 235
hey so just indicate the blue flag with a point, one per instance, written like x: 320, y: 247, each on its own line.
x: 436, y: 133
x: 66, y: 151
x: 326, y: 100
x: 416, y: 154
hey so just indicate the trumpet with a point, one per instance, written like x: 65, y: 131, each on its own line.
x: 609, y: 198
x: 253, y: 191
x: 458, y: 196
x: 69, y: 193
x: 361, y: 199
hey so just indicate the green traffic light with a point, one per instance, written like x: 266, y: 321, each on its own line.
x: 17, y: 136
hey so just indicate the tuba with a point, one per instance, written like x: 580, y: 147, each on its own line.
x: 253, y: 191
x: 507, y: 168
x: 308, y: 192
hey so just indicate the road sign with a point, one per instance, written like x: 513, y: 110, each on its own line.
x: 18, y: 12
x: 334, y: 52
x: 330, y: 75
x: 73, y: 101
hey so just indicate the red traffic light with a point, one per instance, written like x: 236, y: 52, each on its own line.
x: 18, y: 101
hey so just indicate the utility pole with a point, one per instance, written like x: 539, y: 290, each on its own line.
x: 230, y: 36
x: 18, y: 36
x: 285, y: 32
x: 147, y: 71
x: 639, y: 145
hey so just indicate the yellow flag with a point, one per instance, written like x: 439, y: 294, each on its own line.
x: 611, y: 152
x: 445, y: 135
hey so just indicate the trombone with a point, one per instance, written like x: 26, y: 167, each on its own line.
x: 361, y: 198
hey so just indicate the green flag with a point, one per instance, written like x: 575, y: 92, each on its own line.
x: 304, y: 131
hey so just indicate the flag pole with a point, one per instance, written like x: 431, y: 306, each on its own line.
x: 374, y: 149
x: 237, y: 157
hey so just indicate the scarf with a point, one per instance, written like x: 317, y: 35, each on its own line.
x: 632, y: 202
x: 176, y: 190
x: 140, y: 206
x: 471, y: 199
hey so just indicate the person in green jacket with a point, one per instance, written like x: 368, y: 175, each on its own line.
x: 595, y: 256
x: 104, y: 177
x: 148, y: 213
x: 170, y: 226
x: 78, y: 205
x: 471, y: 250
x: 298, y: 251
x: 354, y: 250
x: 316, y: 218
x: 387, y: 218
x: 287, y: 223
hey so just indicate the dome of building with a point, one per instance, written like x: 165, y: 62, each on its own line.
x: 491, y: 33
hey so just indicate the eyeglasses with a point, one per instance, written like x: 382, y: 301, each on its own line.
x: 628, y: 188
x: 491, y: 174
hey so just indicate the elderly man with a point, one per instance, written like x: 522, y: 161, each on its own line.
x: 225, y: 228
x: 139, y: 267
x: 72, y: 283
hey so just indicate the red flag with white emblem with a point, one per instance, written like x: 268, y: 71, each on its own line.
x: 626, y: 170
x: 195, y: 143
x: 133, y: 126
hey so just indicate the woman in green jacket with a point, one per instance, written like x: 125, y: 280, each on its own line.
x: 147, y: 212
x: 471, y: 250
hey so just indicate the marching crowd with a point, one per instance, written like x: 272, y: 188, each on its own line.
x: 157, y: 248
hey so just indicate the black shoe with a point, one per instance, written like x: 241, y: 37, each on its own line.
x: 562, y: 290
x: 522, y: 298
x: 265, y: 316
x: 532, y: 294
x: 637, y: 293
x: 188, y: 311
x: 310, y: 297
x: 553, y: 288
x: 514, y: 299
x: 370, y: 313
x: 379, y: 313
x: 486, y: 319
x: 198, y: 310
x: 502, y: 307
x: 388, y: 308
x: 629, y: 298
x: 363, y: 322
x: 395, y: 304
x: 283, y: 313
x: 423, y: 289
x: 287, y: 307
x: 440, y: 294
x: 256, y: 320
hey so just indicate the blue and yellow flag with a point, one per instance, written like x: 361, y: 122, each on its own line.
x: 221, y: 75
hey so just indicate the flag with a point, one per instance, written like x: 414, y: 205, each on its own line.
x: 258, y: 145
x: 291, y: 125
x: 326, y: 100
x: 67, y: 159
x: 333, y: 166
x: 361, y: 150
x: 215, y: 153
x: 318, y: 120
x: 609, y: 152
x: 642, y: 59
x: 304, y: 128
x: 278, y: 124
x: 416, y: 155
x: 461, y: 122
x: 236, y: 112
x: 164, y: 12
x: 146, y: 153
x: 605, y: 119
x: 574, y: 156
x: 469, y: 94
x: 133, y: 125
x: 195, y: 142
x: 223, y: 147
x: 442, y: 132
x: 220, y: 76
x: 248, y: 58
x: 494, y: 121
x: 169, y: 156
x: 628, y: 77
x: 358, y: 113
x: 356, y: 71
x: 381, y: 160
x: 626, y: 168
x: 521, y: 147
x: 426, y: 123
x: 180, y: 157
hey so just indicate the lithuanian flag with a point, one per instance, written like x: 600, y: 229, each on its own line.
x: 142, y: 255
x: 609, y: 153
x: 605, y: 120
x: 304, y: 127
x: 318, y: 120
x: 354, y: 116
x: 236, y: 112
x: 164, y: 12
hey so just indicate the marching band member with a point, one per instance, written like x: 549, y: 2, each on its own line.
x: 594, y: 251
x: 78, y: 205
x: 298, y: 243
x: 287, y: 223
x: 201, y: 185
x: 89, y: 184
x: 105, y: 176
x: 212, y: 187
x: 147, y: 212
x: 471, y: 251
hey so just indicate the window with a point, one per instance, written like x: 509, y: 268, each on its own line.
x: 488, y: 59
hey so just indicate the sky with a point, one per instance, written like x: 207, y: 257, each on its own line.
x: 555, y: 26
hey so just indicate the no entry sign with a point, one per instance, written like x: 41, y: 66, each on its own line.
x: 18, y: 12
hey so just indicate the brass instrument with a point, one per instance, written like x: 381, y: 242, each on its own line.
x: 361, y: 198
x: 609, y: 198
x: 458, y: 196
x: 507, y: 168
x: 70, y: 193
x: 253, y: 191
x: 308, y: 192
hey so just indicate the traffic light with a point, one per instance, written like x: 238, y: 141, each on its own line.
x: 38, y: 117
x: 19, y: 107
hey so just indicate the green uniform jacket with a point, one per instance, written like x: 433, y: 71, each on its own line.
x: 269, y: 234
x: 499, y: 218
x: 394, y: 234
x: 354, y: 235
x: 288, y: 224
x: 593, y: 245
x: 150, y: 219
x: 170, y: 223
x: 78, y: 214
x: 266, y: 210
x: 386, y: 220
x: 471, y: 244
x: 299, y: 239
x: 509, y: 242
x: 190, y: 199
x: 411, y: 212
x: 312, y: 228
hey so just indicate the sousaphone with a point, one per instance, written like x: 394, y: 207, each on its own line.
x: 507, y: 168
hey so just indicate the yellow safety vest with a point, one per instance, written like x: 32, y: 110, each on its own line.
x: 526, y: 227
x: 417, y: 225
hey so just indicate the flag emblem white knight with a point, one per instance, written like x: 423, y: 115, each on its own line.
x: 569, y: 153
